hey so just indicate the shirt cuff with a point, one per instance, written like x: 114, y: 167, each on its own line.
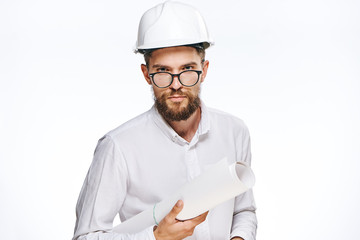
x: 150, y: 233
x: 241, y: 234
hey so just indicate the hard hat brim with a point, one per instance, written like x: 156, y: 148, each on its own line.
x: 143, y: 49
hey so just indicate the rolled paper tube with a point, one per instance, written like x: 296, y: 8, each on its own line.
x: 215, y: 185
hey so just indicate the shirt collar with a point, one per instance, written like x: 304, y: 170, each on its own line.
x: 203, y: 128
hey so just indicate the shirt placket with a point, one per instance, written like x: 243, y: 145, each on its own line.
x: 192, y: 163
x: 193, y: 168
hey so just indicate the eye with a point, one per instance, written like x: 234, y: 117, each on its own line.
x: 161, y: 69
x: 188, y: 67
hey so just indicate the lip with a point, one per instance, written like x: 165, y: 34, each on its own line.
x: 177, y: 98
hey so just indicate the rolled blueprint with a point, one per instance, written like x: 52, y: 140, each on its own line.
x: 215, y: 185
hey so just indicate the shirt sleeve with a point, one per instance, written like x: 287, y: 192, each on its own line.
x: 244, y: 220
x: 146, y: 234
x: 102, y: 196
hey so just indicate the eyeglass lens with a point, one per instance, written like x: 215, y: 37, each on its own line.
x: 187, y: 78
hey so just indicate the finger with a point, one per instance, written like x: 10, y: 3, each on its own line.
x: 199, y: 219
x: 176, y: 209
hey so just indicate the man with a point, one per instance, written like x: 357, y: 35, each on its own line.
x: 146, y: 159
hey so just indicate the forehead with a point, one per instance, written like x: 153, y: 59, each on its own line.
x: 174, y: 56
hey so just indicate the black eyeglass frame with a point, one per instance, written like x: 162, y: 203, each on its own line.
x: 177, y: 75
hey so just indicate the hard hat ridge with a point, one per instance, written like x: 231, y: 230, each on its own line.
x: 171, y: 24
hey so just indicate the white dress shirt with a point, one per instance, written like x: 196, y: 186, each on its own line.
x: 144, y: 161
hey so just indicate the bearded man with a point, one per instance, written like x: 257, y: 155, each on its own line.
x: 144, y: 160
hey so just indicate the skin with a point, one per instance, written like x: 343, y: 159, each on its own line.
x: 171, y: 228
x: 176, y: 60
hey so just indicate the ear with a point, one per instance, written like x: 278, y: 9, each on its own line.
x: 145, y: 73
x: 204, y: 71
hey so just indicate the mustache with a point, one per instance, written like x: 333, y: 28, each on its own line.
x: 176, y: 92
x: 171, y: 93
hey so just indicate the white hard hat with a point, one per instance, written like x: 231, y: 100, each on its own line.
x: 171, y: 24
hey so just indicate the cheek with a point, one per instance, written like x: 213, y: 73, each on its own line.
x: 196, y: 90
x: 159, y: 92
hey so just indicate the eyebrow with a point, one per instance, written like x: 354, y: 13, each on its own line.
x: 159, y: 66
x: 190, y: 64
x: 165, y: 66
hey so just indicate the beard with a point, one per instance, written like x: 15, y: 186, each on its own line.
x: 177, y: 112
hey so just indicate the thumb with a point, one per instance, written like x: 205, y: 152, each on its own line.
x: 176, y: 209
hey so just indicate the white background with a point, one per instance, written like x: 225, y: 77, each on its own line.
x: 290, y: 69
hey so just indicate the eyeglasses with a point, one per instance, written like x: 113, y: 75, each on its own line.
x: 187, y: 78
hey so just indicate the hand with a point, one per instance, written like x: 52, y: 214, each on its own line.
x: 170, y: 228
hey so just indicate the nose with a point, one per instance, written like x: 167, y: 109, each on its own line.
x: 176, y: 83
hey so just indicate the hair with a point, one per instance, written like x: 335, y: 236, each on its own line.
x: 198, y: 46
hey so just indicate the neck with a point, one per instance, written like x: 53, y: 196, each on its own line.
x: 187, y: 128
